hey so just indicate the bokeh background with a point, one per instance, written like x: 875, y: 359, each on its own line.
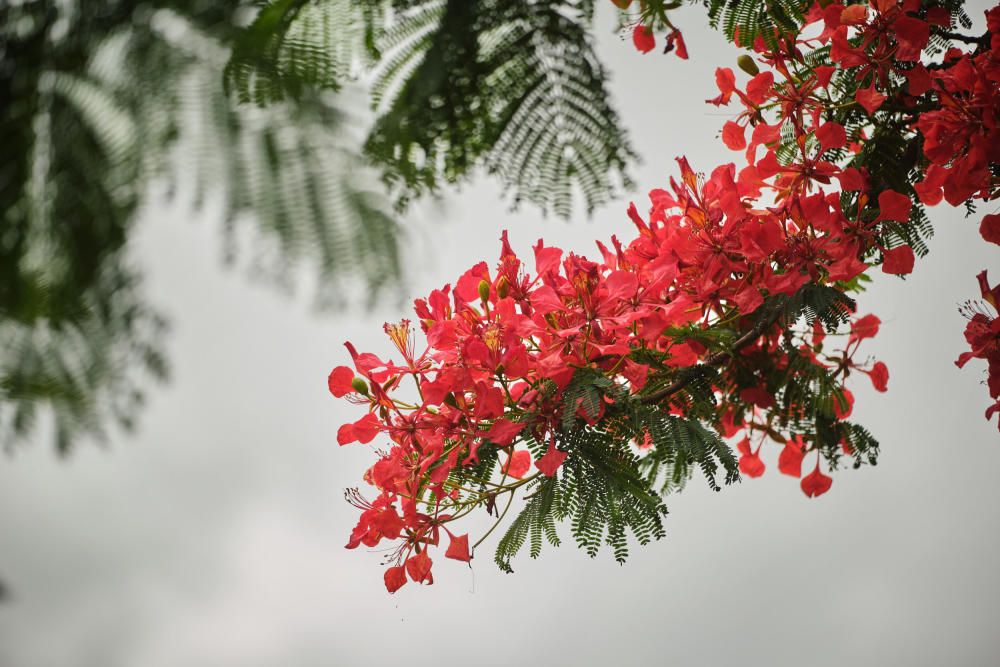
x: 214, y: 534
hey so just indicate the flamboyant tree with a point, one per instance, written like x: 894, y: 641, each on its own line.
x: 595, y: 386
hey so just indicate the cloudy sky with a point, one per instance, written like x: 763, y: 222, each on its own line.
x: 214, y: 536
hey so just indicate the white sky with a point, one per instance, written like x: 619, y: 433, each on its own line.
x: 215, y: 535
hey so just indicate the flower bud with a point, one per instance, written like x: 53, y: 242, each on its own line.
x: 484, y: 291
x: 503, y: 288
x: 747, y: 64
x: 360, y: 386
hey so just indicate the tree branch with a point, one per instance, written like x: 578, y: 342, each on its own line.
x: 718, y: 358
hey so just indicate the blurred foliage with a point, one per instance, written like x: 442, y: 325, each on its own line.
x: 511, y: 86
x: 97, y: 100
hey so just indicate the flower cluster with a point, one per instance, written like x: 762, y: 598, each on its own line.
x: 983, y: 335
x: 874, y: 82
x: 718, y: 311
x: 653, y: 16
x: 501, y: 345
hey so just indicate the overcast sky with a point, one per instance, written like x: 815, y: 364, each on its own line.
x: 214, y: 536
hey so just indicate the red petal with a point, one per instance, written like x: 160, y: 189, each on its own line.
x: 760, y: 87
x: 394, y: 577
x: 467, y: 287
x: 989, y: 228
x: 850, y: 179
x: 864, y: 327
x: 366, y: 428
x: 340, y: 380
x: 518, y: 464
x: 459, y: 548
x: 790, y: 460
x: 732, y: 136
x: 504, y: 431
x: 419, y: 567
x: 831, y: 135
x: 844, y: 413
x: 549, y: 463
x: 893, y: 205
x: 677, y: 39
x: 869, y: 98
x: 743, y: 446
x: 816, y: 483
x: 345, y: 434
x: 898, y: 261
x: 751, y: 465
x: 854, y: 15
x: 919, y: 80
x: 643, y: 39
x: 879, y: 375
x: 912, y: 33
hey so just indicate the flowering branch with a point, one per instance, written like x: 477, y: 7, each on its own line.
x: 618, y: 378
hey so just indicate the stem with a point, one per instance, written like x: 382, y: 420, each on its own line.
x: 716, y: 359
x: 510, y: 501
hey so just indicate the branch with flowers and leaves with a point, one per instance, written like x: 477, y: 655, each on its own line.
x: 566, y: 389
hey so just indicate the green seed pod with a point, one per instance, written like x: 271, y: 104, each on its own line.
x: 360, y: 385
x: 484, y: 291
x: 747, y: 64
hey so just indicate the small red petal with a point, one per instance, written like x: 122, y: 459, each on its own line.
x: 751, y: 465
x: 340, y: 381
x: 989, y: 228
x: 733, y: 137
x: 816, y: 483
x: 864, y: 327
x: 553, y: 458
x: 898, y: 261
x: 879, y: 375
x: 345, y: 434
x: 458, y: 548
x: 790, y: 460
x: 419, y: 567
x: 870, y: 99
x: 844, y: 412
x: 893, y: 205
x: 394, y: 577
x: 831, y: 135
x: 643, y: 39
x: 518, y: 464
